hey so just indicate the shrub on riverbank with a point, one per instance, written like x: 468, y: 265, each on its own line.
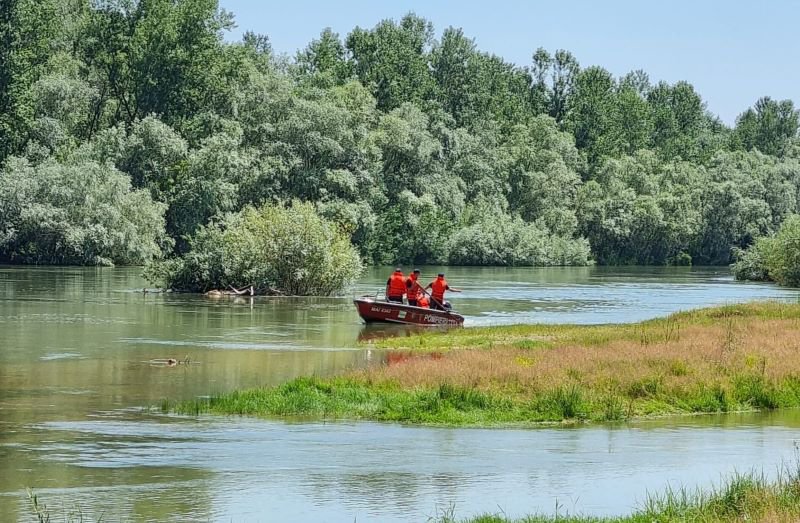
x: 773, y: 258
x: 714, y: 360
x: 292, y: 250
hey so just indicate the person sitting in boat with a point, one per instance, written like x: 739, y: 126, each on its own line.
x: 396, y: 286
x: 422, y: 301
x: 437, y: 287
x: 413, y: 288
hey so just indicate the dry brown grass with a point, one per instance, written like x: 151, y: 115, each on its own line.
x: 675, y: 356
x: 739, y: 357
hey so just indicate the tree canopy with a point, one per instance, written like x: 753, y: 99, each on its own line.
x: 416, y: 145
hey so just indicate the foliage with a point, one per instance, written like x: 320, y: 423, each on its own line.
x: 288, y: 249
x: 401, y: 138
x: 768, y: 126
x: 498, y: 239
x: 773, y: 258
x: 80, y: 213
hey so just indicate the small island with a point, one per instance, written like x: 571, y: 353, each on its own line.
x: 722, y: 359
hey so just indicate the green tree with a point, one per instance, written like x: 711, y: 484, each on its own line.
x: 29, y: 34
x: 678, y: 118
x: 562, y: 69
x: 542, y: 175
x: 591, y: 116
x: 156, y: 56
x: 392, y: 59
x: 325, y: 57
x: 768, y: 126
x: 81, y: 213
x: 492, y: 237
x: 631, y: 119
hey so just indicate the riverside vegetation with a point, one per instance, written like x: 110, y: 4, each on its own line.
x: 132, y: 131
x: 737, y: 357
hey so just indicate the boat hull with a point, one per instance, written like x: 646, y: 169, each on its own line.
x: 372, y: 311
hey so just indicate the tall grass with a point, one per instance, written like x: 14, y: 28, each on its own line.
x: 739, y: 357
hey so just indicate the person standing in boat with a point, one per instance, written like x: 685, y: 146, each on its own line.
x: 396, y: 286
x: 437, y: 287
x: 413, y: 288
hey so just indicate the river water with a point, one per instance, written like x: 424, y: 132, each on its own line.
x: 82, y: 351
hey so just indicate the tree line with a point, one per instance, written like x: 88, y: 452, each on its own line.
x: 131, y: 128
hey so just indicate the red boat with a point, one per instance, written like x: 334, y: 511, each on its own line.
x: 372, y: 310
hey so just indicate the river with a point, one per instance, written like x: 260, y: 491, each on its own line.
x: 82, y: 351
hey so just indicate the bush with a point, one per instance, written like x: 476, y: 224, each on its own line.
x: 775, y: 258
x: 292, y: 249
x: 750, y: 264
x: 506, y: 241
x: 81, y: 213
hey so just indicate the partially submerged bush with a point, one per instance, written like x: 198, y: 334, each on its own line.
x: 292, y: 250
x: 775, y: 258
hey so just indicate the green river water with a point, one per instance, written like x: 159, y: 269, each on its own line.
x: 82, y: 350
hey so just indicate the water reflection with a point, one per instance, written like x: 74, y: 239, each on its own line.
x: 246, y: 469
x: 376, y: 331
x: 77, y: 348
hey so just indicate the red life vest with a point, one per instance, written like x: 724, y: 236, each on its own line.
x: 412, y: 287
x: 397, y: 285
x: 438, y: 286
x: 422, y: 301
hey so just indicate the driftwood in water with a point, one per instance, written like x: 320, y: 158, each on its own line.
x: 244, y: 291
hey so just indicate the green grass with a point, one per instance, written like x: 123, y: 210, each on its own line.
x: 311, y: 397
x: 446, y: 404
x: 671, y: 374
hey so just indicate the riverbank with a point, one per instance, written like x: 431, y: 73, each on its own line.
x: 721, y: 359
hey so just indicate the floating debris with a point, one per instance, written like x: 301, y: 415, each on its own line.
x: 170, y: 362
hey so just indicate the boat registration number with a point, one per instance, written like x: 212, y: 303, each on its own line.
x: 383, y: 310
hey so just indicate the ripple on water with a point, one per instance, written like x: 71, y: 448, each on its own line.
x: 61, y: 356
x: 213, y: 344
x: 397, y: 473
x: 52, y: 318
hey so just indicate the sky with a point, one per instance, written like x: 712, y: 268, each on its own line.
x: 733, y: 52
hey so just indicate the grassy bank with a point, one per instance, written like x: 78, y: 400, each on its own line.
x: 738, y: 357
x: 744, y: 497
